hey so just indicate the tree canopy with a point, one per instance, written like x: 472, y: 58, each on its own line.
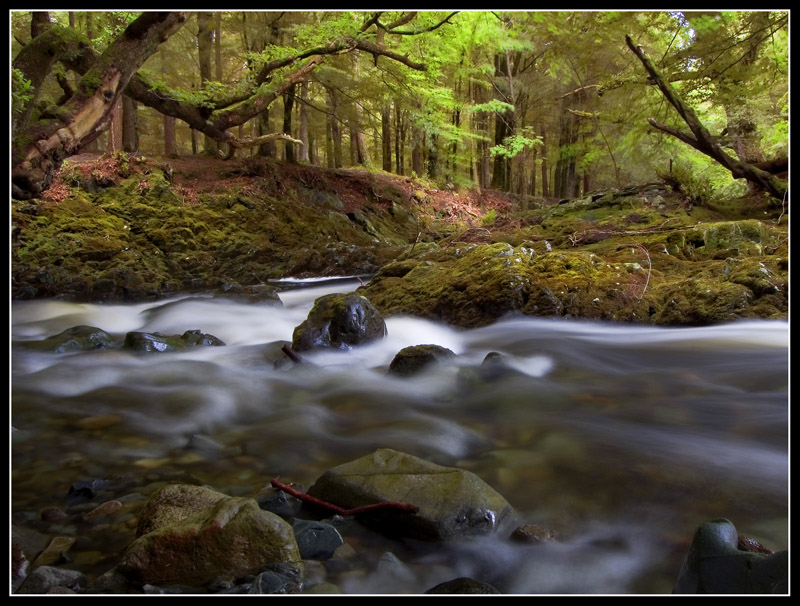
x: 535, y: 103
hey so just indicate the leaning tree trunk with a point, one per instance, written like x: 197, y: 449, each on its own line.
x: 700, y: 138
x: 39, y: 148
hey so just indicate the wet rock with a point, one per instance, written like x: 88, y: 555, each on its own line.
x: 316, y: 540
x: 53, y: 514
x: 413, y: 359
x: 231, y: 537
x: 169, y: 590
x: 453, y: 503
x: 103, y: 509
x: 77, y: 338
x: 339, y: 321
x: 45, y: 578
x: 256, y: 293
x: 279, y: 578
x: 111, y: 581
x: 280, y: 503
x: 86, y: 490
x: 715, y: 564
x: 148, y: 342
x: 463, y: 585
x: 55, y: 552
x: 532, y: 534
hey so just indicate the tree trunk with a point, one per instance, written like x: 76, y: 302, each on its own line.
x: 433, y: 156
x: 399, y: 137
x: 700, y: 138
x: 566, y: 184
x: 205, y: 40
x: 130, y: 125
x: 336, y: 132
x: 302, y: 128
x: 218, y: 45
x: 288, y: 104
x: 39, y: 149
x: 504, y: 121
x: 386, y: 136
x: 114, y: 141
x: 545, y: 184
x: 269, y: 148
x: 40, y: 21
x: 170, y: 141
x: 417, y: 157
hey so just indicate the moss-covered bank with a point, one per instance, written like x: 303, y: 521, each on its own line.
x: 125, y: 228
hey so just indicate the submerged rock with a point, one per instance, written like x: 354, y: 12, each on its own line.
x: 339, y: 321
x: 231, y: 537
x: 316, y: 540
x: 146, y: 341
x: 715, y: 564
x: 464, y: 585
x: 413, y: 359
x: 453, y: 503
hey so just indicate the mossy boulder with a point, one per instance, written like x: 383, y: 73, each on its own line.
x: 339, y: 321
x: 174, y: 503
x: 479, y: 284
x: 232, y: 537
x: 453, y: 503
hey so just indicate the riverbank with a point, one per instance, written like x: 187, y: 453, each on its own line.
x: 123, y: 228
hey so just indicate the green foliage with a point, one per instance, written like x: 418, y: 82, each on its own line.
x: 514, y: 145
x: 21, y: 92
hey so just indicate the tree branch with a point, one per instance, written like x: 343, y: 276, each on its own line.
x: 703, y: 141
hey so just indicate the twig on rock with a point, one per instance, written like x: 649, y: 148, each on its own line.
x: 292, y: 355
x: 341, y: 510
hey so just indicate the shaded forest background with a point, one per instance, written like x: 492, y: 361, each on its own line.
x: 549, y: 104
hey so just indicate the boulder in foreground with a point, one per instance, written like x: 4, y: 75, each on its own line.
x: 453, y: 503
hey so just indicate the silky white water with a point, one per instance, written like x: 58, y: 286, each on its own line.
x: 620, y: 438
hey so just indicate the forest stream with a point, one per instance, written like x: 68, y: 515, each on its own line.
x: 621, y: 439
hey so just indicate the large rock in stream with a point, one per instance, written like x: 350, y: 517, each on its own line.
x: 453, y: 503
x: 193, y: 535
x: 339, y: 321
x: 716, y: 564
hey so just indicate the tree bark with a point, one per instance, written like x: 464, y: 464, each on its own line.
x: 545, y: 190
x: 302, y: 127
x: 205, y: 34
x: 288, y: 104
x: 700, y: 138
x: 386, y: 136
x: 41, y: 148
x: 130, y: 125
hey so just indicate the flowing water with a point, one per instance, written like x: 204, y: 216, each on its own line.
x: 622, y: 439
